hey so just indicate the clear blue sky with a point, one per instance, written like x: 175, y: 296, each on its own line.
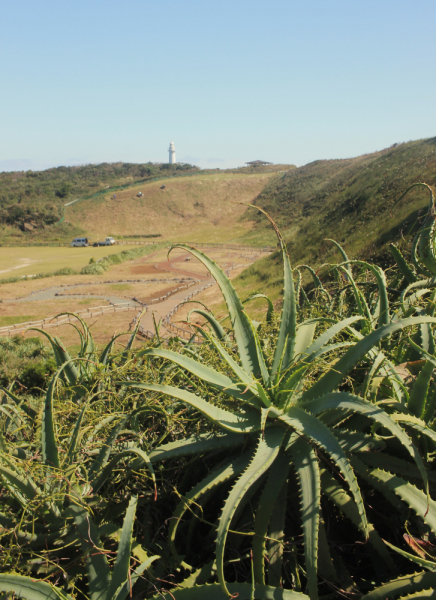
x: 229, y: 81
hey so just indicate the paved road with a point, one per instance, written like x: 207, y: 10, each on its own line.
x: 50, y: 294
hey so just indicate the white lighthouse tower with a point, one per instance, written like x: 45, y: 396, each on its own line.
x: 172, y: 152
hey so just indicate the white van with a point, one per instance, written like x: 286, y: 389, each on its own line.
x: 80, y: 242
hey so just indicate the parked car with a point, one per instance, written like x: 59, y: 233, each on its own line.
x: 80, y: 242
x: 109, y: 241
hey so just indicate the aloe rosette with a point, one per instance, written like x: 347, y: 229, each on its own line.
x: 292, y: 426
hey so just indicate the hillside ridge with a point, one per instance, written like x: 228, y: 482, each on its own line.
x: 348, y: 200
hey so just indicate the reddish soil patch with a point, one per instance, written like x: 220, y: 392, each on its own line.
x: 166, y: 265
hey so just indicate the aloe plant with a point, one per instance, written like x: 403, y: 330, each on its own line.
x: 293, y: 423
x: 103, y: 583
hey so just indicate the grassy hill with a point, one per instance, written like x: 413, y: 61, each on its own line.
x: 33, y: 201
x: 347, y: 200
x: 205, y: 207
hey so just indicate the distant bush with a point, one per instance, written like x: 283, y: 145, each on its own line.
x: 35, y: 374
x: 102, y: 265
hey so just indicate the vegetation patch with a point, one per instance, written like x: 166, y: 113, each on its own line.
x: 11, y: 319
x: 285, y: 458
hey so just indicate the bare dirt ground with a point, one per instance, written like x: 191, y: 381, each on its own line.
x: 155, y: 268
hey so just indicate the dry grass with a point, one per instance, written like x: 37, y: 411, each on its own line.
x: 41, y: 309
x: 202, y: 208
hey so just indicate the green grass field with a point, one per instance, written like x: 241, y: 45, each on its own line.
x: 15, y: 262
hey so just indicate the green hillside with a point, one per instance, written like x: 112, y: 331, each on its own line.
x: 347, y: 200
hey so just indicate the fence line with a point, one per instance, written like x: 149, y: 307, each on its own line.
x: 90, y: 312
x: 122, y: 306
x: 46, y: 323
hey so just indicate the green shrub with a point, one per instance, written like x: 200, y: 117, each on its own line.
x: 36, y: 374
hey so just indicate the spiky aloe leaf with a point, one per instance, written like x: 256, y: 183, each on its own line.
x: 237, y: 422
x: 276, y: 534
x: 359, y: 298
x: 344, y: 366
x: 241, y: 591
x: 344, y: 400
x: 270, y: 311
x: 414, y: 498
x: 266, y: 452
x: 402, y: 264
x: 312, y: 428
x: 343, y: 254
x: 104, y: 356
x: 376, y: 365
x: 253, y: 385
x: 120, y: 573
x: 416, y: 424
x: 200, y: 444
x: 324, y: 338
x: 343, y: 501
x: 204, y: 487
x: 103, y: 456
x: 425, y: 237
x: 422, y: 562
x: 290, y: 386
x: 393, y: 464
x: 238, y: 318
x: 356, y: 441
x: 426, y: 250
x: 61, y: 356
x: 88, y: 346
x: 125, y: 588
x: 326, y: 566
x: 216, y: 327
x: 24, y: 489
x: 403, y: 585
x: 316, y: 280
x: 11, y: 417
x: 31, y: 589
x: 132, y: 338
x: 48, y: 439
x: 99, y: 576
x: 284, y: 350
x: 233, y: 388
x: 383, y: 318
x: 277, y: 476
x: 305, y: 463
x: 304, y: 338
x: 75, y: 436
x: 19, y: 402
x: 418, y: 393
